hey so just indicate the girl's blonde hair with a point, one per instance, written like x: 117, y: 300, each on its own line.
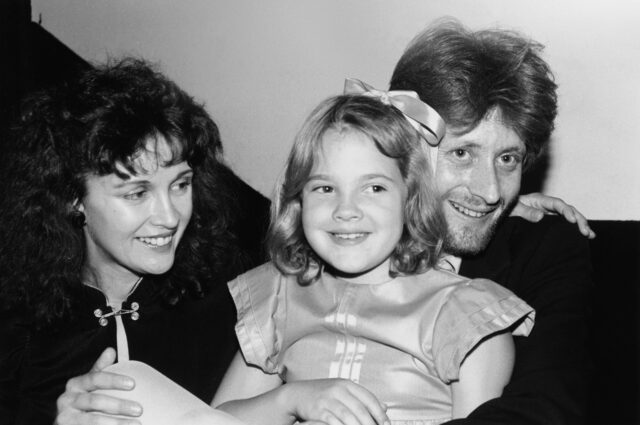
x: 424, y: 227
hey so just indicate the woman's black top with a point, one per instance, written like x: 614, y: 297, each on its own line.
x: 191, y: 342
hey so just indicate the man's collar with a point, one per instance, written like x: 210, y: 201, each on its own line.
x: 491, y: 262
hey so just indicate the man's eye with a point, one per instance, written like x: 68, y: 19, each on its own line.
x: 460, y: 153
x: 510, y: 160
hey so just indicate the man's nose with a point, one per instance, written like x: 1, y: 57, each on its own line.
x: 485, y: 184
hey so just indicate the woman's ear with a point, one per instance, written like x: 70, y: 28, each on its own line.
x: 77, y: 205
x: 76, y: 215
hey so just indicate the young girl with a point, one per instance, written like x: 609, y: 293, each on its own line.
x: 353, y: 322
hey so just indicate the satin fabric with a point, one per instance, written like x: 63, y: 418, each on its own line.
x: 404, y: 340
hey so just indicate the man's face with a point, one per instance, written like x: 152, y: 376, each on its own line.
x: 478, y: 178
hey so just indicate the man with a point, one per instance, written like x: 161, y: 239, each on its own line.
x: 498, y: 99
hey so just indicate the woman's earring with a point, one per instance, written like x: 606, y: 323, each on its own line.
x: 78, y: 219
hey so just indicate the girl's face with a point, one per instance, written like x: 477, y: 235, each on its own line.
x: 352, y: 207
x: 134, y: 224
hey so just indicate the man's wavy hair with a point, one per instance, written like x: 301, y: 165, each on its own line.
x: 465, y: 75
x: 87, y: 127
x: 420, y: 243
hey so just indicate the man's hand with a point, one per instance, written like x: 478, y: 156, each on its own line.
x: 534, y: 206
x: 79, y: 405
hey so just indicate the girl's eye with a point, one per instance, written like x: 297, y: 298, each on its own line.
x: 376, y: 188
x: 323, y: 189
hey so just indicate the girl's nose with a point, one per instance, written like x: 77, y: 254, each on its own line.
x: 347, y: 209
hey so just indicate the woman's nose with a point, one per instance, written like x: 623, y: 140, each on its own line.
x: 164, y: 212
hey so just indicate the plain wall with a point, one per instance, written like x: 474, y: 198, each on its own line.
x: 261, y: 66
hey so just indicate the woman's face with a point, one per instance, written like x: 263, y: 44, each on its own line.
x: 134, y: 225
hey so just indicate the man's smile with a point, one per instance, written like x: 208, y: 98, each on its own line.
x: 473, y: 213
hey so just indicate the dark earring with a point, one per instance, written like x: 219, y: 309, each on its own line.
x: 78, y: 219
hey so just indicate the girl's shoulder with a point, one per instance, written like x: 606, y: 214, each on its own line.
x: 439, y: 278
x: 261, y: 282
x: 264, y: 271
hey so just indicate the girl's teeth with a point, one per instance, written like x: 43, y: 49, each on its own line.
x: 156, y: 241
x: 349, y: 235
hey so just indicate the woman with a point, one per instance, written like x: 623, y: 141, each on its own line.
x: 116, y: 213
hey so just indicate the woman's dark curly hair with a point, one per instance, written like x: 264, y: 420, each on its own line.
x: 85, y: 127
x: 420, y: 244
x: 465, y: 75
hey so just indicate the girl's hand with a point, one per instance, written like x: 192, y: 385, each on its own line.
x: 334, y: 402
x: 534, y: 206
x: 78, y: 405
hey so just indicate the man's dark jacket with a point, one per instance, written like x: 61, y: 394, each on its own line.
x: 548, y: 265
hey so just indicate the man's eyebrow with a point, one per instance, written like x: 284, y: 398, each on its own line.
x: 514, y: 149
x: 465, y: 144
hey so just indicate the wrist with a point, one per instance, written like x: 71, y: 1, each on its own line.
x: 285, y: 398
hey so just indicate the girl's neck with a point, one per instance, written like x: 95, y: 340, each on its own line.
x: 375, y: 276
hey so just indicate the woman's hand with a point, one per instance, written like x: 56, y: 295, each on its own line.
x: 79, y: 405
x: 534, y: 206
x: 334, y: 402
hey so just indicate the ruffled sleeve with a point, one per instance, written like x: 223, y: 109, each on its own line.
x: 473, y: 311
x: 259, y: 298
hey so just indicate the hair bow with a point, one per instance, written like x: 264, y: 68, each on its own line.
x: 423, y: 117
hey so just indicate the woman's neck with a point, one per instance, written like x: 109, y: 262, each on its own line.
x: 116, y: 287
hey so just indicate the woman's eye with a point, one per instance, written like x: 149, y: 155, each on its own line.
x: 182, y: 185
x: 135, y: 196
